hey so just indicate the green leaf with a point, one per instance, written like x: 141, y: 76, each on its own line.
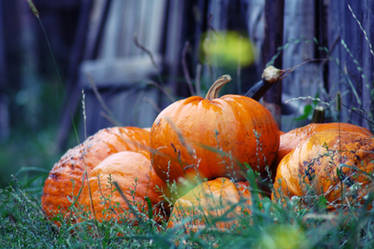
x: 308, y: 110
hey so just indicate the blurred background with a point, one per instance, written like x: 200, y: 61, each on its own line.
x: 69, y: 68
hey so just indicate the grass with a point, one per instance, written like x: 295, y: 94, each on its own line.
x: 287, y: 224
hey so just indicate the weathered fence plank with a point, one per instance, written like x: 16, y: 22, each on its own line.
x: 274, y: 12
x: 4, y: 101
x: 368, y: 63
x: 351, y: 60
x: 73, y: 88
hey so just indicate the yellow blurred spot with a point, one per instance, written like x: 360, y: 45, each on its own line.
x: 227, y: 49
x: 283, y: 237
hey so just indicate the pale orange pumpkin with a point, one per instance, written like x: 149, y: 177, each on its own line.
x: 207, y: 137
x: 290, y: 139
x: 322, y: 165
x: 133, y: 173
x: 210, y: 199
x: 65, y: 179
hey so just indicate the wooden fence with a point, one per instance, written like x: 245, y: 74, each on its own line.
x: 328, y: 44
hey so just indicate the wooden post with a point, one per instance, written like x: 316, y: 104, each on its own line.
x: 4, y: 112
x: 273, y: 40
x: 71, y: 101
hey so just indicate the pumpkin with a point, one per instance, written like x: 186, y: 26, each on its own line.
x: 329, y: 163
x: 65, y: 179
x: 138, y: 182
x: 289, y: 140
x: 207, y: 137
x: 210, y: 199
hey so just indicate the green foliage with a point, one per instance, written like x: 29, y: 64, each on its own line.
x: 308, y: 110
x: 282, y: 224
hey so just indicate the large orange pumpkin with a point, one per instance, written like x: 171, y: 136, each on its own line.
x: 65, y: 179
x: 207, y: 137
x: 324, y: 164
x: 210, y: 199
x: 133, y: 173
x: 290, y: 139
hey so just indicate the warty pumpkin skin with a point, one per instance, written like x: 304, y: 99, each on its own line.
x: 290, y: 139
x: 206, y: 137
x: 317, y: 166
x: 65, y: 178
x: 137, y: 180
x: 209, y: 199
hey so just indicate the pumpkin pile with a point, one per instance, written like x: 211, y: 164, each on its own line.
x: 67, y: 181
x: 127, y: 173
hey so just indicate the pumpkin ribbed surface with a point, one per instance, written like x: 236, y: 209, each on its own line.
x: 210, y: 199
x: 289, y: 140
x: 323, y: 165
x: 135, y: 177
x: 207, y: 138
x: 65, y: 178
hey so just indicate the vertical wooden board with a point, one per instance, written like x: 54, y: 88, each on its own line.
x: 352, y: 61
x: 135, y: 107
x: 335, y: 78
x: 235, y: 15
x: 173, y: 41
x: 218, y: 12
x: 299, y: 32
x: 94, y: 120
x: 97, y: 22
x: 217, y: 21
x: 127, y: 29
x: 4, y: 107
x: 132, y: 107
x: 368, y: 64
x: 255, y: 23
x: 108, y: 49
x: 346, y: 65
x: 274, y: 16
x: 155, y: 28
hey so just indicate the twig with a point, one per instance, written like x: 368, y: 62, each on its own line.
x: 110, y: 120
x: 131, y: 208
x: 151, y: 57
x: 146, y: 50
x: 154, y: 105
x: 197, y: 79
x: 185, y: 68
x: 101, y: 101
x: 156, y: 84
x: 210, y: 26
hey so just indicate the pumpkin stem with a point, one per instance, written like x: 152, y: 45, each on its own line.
x: 270, y: 76
x: 318, y: 114
x: 216, y: 87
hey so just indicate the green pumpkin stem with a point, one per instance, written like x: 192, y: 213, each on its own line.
x: 216, y: 87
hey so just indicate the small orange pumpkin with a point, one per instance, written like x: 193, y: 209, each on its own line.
x: 290, y: 139
x: 210, y: 199
x: 133, y: 173
x: 65, y: 179
x: 322, y: 165
x: 206, y: 137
